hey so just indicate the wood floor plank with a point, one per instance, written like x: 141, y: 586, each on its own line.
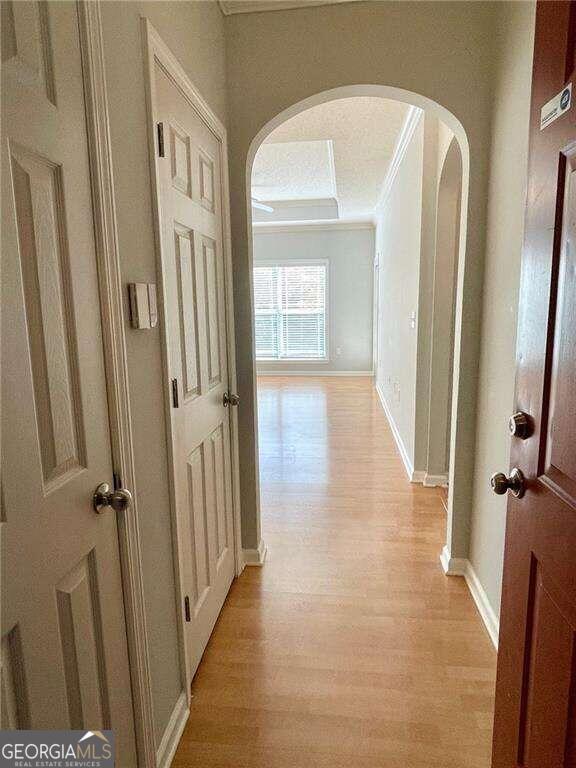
x: 349, y: 647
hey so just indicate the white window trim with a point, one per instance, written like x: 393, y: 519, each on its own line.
x: 309, y: 263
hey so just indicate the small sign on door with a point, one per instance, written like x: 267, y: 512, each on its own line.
x: 556, y: 107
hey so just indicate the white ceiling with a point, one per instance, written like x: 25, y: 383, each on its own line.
x: 295, y: 162
x: 294, y: 170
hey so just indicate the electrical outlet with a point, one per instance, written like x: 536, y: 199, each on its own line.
x: 338, y: 351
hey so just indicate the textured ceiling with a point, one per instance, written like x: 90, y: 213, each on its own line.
x: 363, y: 132
x: 293, y: 170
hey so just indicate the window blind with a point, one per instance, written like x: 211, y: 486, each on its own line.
x: 290, y: 309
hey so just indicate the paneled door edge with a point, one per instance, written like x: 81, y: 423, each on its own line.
x: 109, y: 276
x: 156, y: 50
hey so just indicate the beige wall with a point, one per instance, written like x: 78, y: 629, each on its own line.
x: 276, y: 60
x: 417, y: 242
x: 398, y: 245
x: 447, y: 233
x: 507, y: 191
x: 194, y: 31
x: 426, y: 290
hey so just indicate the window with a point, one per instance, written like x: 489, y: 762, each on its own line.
x: 290, y: 304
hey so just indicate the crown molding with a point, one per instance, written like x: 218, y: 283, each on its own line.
x: 405, y: 136
x: 231, y: 7
x: 273, y: 227
x: 302, y: 202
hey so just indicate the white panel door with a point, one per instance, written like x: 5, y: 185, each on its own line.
x: 194, y: 280
x: 64, y: 651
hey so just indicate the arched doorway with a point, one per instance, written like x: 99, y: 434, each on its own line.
x: 457, y: 525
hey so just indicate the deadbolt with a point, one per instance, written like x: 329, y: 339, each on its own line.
x: 515, y: 483
x: 229, y: 399
x: 520, y: 425
x: 118, y: 500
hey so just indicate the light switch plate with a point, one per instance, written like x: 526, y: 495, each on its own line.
x: 143, y: 305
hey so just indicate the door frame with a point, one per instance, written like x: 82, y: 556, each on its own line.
x: 157, y: 52
x: 116, y: 368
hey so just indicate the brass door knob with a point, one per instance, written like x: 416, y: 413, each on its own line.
x: 229, y: 399
x: 515, y: 483
x: 103, y: 498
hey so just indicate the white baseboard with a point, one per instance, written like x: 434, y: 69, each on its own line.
x: 280, y: 372
x: 255, y: 556
x: 435, y: 481
x: 461, y: 566
x: 452, y: 566
x: 173, y: 733
x: 486, y: 611
x: 414, y: 476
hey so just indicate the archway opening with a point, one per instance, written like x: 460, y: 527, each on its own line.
x: 425, y: 445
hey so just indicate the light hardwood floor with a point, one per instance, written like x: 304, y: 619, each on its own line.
x: 349, y: 648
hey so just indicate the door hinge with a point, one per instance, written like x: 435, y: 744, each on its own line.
x: 160, y: 130
x: 175, y: 402
x: 187, y: 608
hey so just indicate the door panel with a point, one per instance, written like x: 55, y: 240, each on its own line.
x: 195, y: 309
x: 64, y: 653
x: 535, y: 718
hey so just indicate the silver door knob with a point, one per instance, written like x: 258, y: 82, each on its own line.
x: 229, y: 399
x: 520, y: 425
x: 515, y: 483
x: 118, y: 500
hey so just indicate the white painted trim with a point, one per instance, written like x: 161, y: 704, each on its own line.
x: 299, y: 202
x: 304, y: 373
x: 256, y: 556
x: 436, y: 481
x: 480, y: 597
x: 413, y: 116
x: 272, y: 227
x: 415, y: 476
x: 460, y: 566
x: 452, y: 566
x: 113, y: 325
x: 173, y: 732
x: 333, y: 172
x: 229, y: 7
x: 156, y: 50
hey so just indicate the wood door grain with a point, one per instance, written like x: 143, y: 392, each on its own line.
x: 535, y: 717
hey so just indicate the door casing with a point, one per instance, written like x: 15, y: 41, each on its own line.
x: 157, y: 52
x: 112, y: 318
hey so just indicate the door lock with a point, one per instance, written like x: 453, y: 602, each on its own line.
x: 118, y: 500
x: 515, y: 483
x: 520, y: 425
x: 229, y: 399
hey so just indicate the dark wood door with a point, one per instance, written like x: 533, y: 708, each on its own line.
x: 535, y: 718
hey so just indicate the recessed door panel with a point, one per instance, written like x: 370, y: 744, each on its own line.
x: 559, y: 449
x: 44, y: 261
x: 199, y: 545
x: 186, y: 269
x: 213, y: 328
x: 81, y: 633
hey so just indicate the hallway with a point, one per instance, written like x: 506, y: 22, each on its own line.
x: 349, y: 647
